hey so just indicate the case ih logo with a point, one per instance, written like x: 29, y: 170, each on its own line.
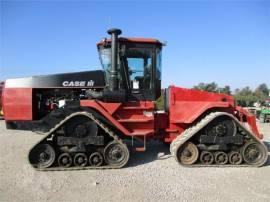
x: 78, y: 83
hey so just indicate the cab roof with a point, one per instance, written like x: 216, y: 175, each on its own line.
x: 132, y: 40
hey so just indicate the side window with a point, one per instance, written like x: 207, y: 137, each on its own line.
x: 158, y: 70
x: 140, y: 66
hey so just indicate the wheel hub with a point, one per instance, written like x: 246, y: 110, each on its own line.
x: 96, y: 159
x: 221, y: 158
x: 207, y: 157
x: 187, y: 153
x: 235, y: 158
x: 221, y: 129
x: 65, y: 160
x: 80, y: 159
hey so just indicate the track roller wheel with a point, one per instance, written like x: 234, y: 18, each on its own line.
x: 207, y: 157
x: 254, y: 154
x: 65, y: 160
x: 235, y: 158
x: 188, y: 154
x: 221, y: 158
x: 116, y: 154
x: 80, y: 159
x: 42, y: 156
x: 96, y: 159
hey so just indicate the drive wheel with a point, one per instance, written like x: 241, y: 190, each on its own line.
x: 65, y: 160
x: 221, y: 126
x: 207, y: 158
x: 80, y: 159
x: 221, y: 158
x: 42, y: 156
x: 96, y: 159
x: 188, y: 154
x: 254, y: 154
x: 116, y: 154
x: 235, y: 158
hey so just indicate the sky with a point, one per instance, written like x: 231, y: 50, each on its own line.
x: 227, y: 42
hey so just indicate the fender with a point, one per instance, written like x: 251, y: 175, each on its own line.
x: 186, y: 105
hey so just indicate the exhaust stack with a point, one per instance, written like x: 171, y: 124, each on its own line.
x: 113, y: 81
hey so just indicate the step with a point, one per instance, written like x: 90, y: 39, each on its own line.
x: 142, y: 132
x: 143, y: 120
x: 139, y: 149
x: 137, y: 107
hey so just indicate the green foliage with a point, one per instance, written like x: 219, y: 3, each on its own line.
x: 160, y: 101
x: 245, y: 97
x: 213, y: 87
x: 210, y: 87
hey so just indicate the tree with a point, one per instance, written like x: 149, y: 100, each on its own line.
x: 213, y: 87
x: 263, y: 88
x: 245, y: 97
x: 225, y: 90
x: 262, y: 92
x: 210, y: 87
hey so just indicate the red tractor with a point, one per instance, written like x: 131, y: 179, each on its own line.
x: 1, y: 90
x: 89, y: 118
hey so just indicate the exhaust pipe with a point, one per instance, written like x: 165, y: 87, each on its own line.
x: 113, y: 81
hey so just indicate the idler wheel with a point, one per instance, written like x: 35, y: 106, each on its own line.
x: 188, y: 153
x: 116, y: 154
x: 235, y: 158
x: 80, y: 159
x: 254, y: 154
x: 65, y: 160
x: 42, y: 156
x: 207, y: 157
x: 96, y: 159
x: 221, y: 158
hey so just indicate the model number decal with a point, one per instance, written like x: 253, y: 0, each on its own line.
x: 78, y: 83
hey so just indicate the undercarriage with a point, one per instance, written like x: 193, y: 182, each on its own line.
x: 218, y: 139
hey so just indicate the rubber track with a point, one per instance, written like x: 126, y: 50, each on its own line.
x: 57, y: 126
x: 191, y: 131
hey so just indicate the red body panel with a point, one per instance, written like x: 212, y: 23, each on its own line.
x: 251, y: 120
x: 17, y: 104
x: 186, y: 105
x: 1, y: 91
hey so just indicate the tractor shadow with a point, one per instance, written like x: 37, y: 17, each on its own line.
x: 267, y: 144
x: 155, y: 150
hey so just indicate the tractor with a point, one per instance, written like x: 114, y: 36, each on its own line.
x: 91, y: 120
x: 1, y: 89
x: 265, y: 115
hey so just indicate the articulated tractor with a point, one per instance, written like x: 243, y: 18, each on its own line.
x: 90, y: 120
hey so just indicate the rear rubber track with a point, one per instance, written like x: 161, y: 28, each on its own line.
x: 193, y: 130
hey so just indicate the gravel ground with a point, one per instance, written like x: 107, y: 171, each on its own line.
x: 150, y: 176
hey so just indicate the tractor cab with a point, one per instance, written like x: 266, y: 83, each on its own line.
x: 132, y: 65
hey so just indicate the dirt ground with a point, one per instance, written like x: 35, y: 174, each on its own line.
x: 150, y: 176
